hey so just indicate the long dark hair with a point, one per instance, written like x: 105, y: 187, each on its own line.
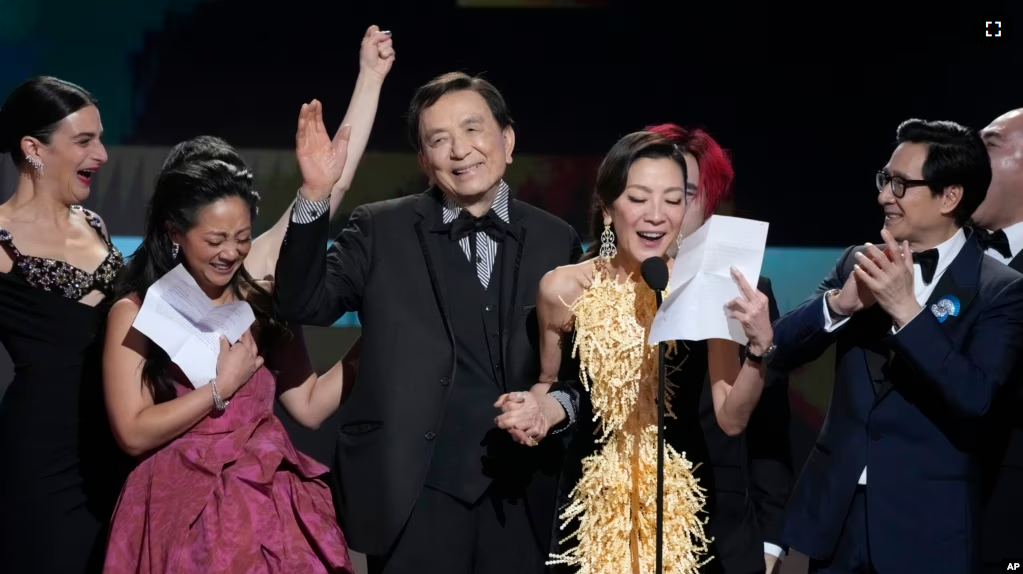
x: 35, y: 108
x: 613, y: 175
x: 183, y: 189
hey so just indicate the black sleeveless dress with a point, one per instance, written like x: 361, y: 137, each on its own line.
x: 60, y: 470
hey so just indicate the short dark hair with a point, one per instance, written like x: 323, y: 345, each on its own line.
x: 35, y: 108
x: 429, y: 93
x: 956, y: 155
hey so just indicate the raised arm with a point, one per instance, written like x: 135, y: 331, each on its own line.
x: 139, y: 424
x: 375, y: 60
x: 314, y: 287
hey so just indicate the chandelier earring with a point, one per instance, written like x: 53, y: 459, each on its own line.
x: 175, y: 249
x: 608, y: 249
x: 678, y: 240
x: 35, y: 163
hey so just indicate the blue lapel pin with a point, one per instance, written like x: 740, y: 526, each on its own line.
x: 947, y: 306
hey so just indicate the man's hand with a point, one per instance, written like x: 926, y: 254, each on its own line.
x: 321, y: 159
x: 770, y: 562
x: 527, y: 416
x: 890, y: 279
x: 853, y: 297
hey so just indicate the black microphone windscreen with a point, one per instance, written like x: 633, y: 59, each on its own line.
x: 655, y: 273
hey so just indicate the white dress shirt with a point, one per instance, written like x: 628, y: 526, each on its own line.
x: 947, y: 252
x: 1014, y: 233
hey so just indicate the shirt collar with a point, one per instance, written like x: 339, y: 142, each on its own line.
x: 500, y: 205
x: 948, y: 250
x: 1014, y: 233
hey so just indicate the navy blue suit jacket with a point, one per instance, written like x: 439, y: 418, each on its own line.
x: 913, y: 421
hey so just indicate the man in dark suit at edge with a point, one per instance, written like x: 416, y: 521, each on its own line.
x: 927, y: 329
x: 1001, y: 216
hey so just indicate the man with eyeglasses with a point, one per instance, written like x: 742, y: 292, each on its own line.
x: 926, y: 329
x: 1001, y: 216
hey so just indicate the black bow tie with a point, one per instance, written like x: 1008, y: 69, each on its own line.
x: 928, y: 262
x: 466, y: 225
x: 995, y: 240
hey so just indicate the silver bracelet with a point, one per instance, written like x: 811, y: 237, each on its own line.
x: 218, y: 402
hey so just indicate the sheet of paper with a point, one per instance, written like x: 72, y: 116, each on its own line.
x: 230, y: 320
x: 701, y: 283
x: 178, y: 317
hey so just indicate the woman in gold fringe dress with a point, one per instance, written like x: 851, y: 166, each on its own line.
x: 602, y: 311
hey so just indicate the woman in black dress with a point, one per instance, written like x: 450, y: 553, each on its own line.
x: 61, y: 471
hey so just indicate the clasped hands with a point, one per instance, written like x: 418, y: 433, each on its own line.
x: 884, y: 277
x: 527, y: 415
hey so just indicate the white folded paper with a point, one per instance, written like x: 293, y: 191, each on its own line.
x: 701, y: 281
x: 181, y: 319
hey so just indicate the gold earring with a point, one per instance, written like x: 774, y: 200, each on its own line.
x: 608, y: 249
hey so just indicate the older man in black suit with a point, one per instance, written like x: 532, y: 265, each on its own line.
x: 445, y: 286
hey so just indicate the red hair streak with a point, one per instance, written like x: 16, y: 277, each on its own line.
x: 716, y: 173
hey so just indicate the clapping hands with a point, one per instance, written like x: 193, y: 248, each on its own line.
x: 889, y: 277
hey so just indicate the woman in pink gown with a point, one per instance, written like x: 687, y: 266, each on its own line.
x: 219, y: 486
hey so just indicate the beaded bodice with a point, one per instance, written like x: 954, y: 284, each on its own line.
x: 61, y: 277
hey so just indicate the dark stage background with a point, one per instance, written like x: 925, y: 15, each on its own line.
x: 806, y: 99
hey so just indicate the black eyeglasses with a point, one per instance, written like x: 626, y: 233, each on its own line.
x: 899, y: 184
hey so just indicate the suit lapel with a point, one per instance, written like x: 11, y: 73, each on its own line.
x: 951, y: 297
x: 1017, y: 262
x: 511, y: 259
x: 428, y: 211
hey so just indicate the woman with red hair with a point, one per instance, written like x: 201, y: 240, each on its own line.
x: 745, y: 518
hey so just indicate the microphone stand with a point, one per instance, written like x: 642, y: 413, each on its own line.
x: 661, y: 349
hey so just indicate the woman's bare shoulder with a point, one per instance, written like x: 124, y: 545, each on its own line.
x: 123, y: 312
x: 566, y: 283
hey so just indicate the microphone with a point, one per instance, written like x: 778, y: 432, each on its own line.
x: 655, y: 273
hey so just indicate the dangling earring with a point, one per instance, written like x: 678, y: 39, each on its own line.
x: 35, y: 163
x: 174, y: 250
x: 608, y: 249
x: 678, y: 240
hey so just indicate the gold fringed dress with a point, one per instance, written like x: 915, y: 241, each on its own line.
x: 614, y: 503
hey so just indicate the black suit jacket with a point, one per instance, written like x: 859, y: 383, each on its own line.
x: 1002, y: 451
x: 747, y: 477
x: 386, y: 266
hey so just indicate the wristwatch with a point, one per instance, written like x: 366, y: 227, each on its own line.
x: 765, y: 358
